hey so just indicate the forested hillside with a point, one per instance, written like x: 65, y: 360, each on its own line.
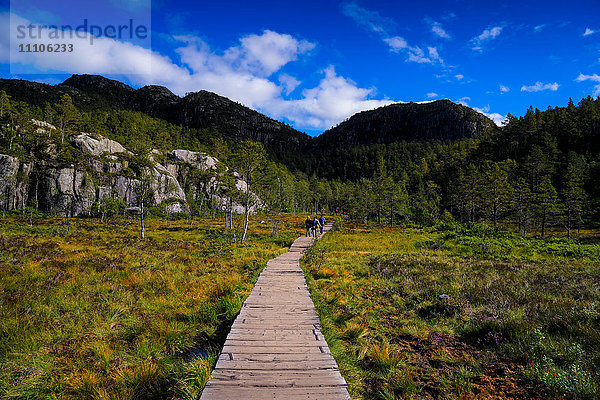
x: 407, y: 162
x: 201, y: 115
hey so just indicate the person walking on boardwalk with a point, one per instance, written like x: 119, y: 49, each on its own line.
x: 321, y: 223
x: 309, y: 226
x: 315, y: 226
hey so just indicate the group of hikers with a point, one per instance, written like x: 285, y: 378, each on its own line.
x: 314, y: 226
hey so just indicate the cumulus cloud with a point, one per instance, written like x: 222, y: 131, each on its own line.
x: 588, y: 32
x: 249, y: 72
x: 289, y: 83
x: 432, y: 95
x: 504, y: 89
x: 333, y: 100
x: 592, y: 78
x: 488, y: 34
x: 539, y: 86
x: 267, y: 53
x: 460, y: 77
x: 539, y: 28
x: 100, y: 54
x: 498, y: 119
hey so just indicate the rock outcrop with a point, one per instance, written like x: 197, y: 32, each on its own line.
x: 104, y: 172
x: 14, y: 182
x: 96, y: 146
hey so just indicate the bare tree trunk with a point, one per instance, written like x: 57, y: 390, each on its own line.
x: 37, y: 180
x: 246, y: 214
x: 142, y: 230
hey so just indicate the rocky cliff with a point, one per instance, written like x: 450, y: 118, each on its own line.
x: 104, y: 169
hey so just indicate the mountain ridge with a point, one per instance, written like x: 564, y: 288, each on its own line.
x: 159, y: 101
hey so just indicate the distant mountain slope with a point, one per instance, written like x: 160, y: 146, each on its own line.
x: 200, y: 110
x: 203, y: 110
x: 438, y: 120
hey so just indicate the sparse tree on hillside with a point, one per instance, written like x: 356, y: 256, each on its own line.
x: 4, y: 103
x: 67, y: 115
x: 143, y: 190
x: 250, y: 159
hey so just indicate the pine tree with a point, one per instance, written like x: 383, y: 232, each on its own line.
x: 495, y: 190
x: 67, y: 115
x: 382, y: 187
x: 573, y: 193
x: 547, y: 203
x: 4, y: 103
x: 521, y: 203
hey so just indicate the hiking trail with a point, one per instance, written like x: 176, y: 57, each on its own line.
x: 275, y: 349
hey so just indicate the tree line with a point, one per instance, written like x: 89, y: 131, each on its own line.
x: 538, y: 172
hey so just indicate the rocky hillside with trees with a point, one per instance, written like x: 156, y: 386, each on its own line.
x: 424, y: 163
x: 203, y: 114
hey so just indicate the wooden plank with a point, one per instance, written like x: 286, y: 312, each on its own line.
x: 322, y: 393
x: 275, y: 349
x: 292, y: 378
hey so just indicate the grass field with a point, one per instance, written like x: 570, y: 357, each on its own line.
x: 90, y: 311
x: 457, y: 313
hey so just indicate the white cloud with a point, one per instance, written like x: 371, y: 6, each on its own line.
x: 498, y: 119
x: 539, y: 86
x: 333, y: 100
x: 268, y: 52
x: 593, y: 78
x: 588, y: 32
x: 374, y: 22
x: 539, y: 28
x: 249, y: 72
x: 396, y: 43
x: 415, y: 54
x: 432, y: 95
x: 289, y: 83
x: 459, y: 76
x: 439, y: 31
x: 488, y: 34
x: 504, y: 89
x: 368, y: 19
x: 434, y: 55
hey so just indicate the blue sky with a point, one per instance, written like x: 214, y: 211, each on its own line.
x: 315, y: 64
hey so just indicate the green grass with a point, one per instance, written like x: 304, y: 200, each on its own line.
x: 459, y: 313
x: 90, y: 311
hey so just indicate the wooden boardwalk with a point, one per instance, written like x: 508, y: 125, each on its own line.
x: 275, y: 349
